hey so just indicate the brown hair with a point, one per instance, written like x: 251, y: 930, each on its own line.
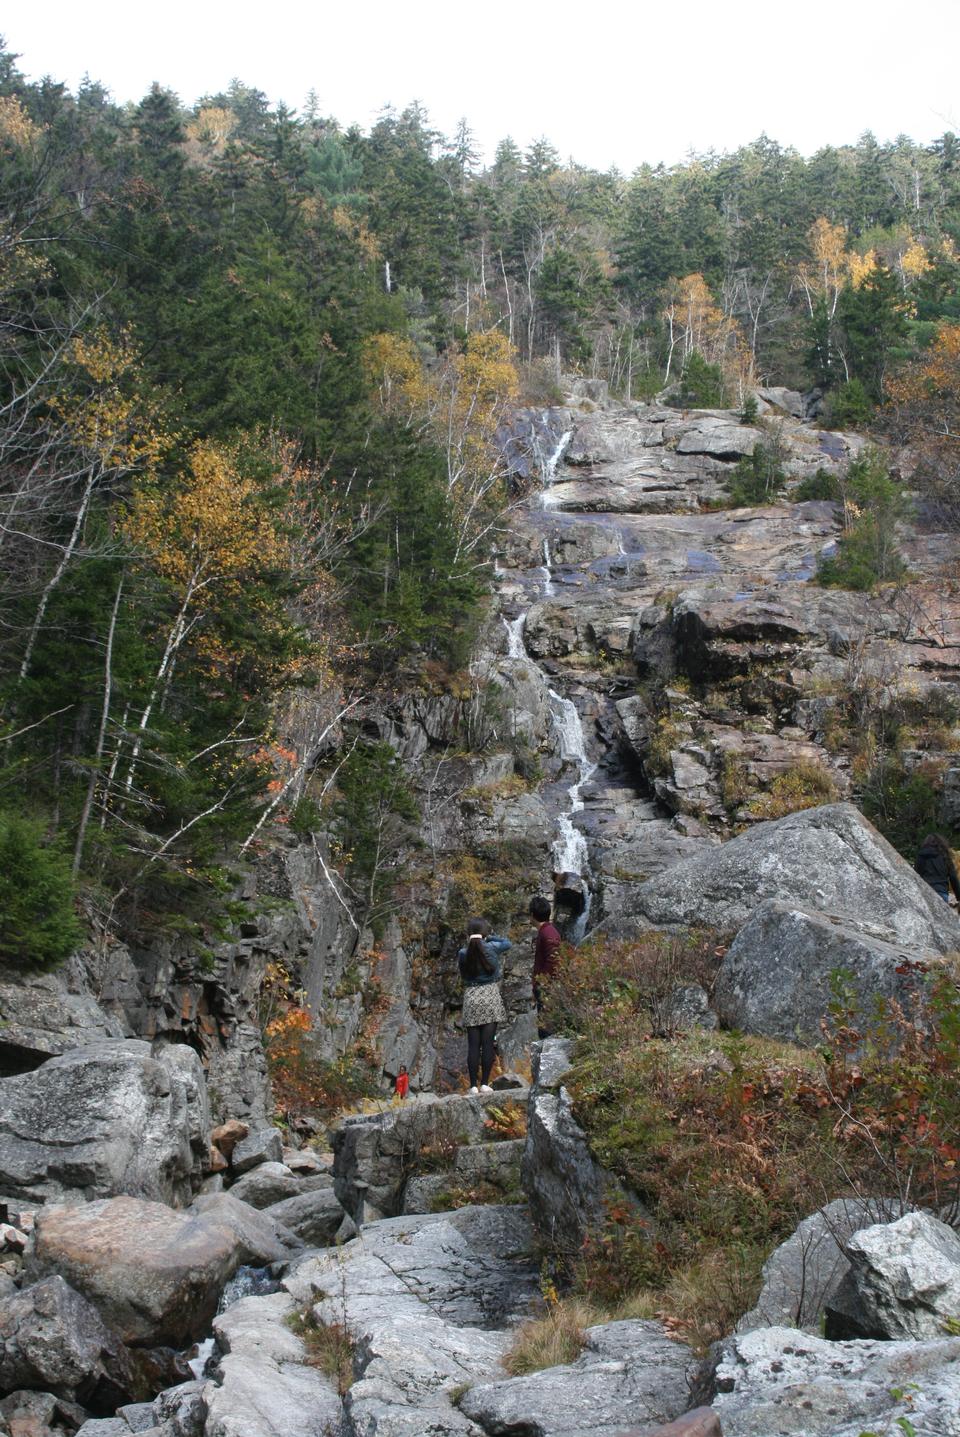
x: 475, y: 959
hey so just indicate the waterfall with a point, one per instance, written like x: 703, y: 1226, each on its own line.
x: 549, y: 469
x: 548, y: 571
x: 514, y: 628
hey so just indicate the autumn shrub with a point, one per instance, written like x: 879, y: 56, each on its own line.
x: 329, y: 1346
x: 904, y: 804
x: 632, y: 980
x: 803, y: 785
x: 38, y: 925
x: 505, y: 1122
x: 302, y: 1082
x: 891, y: 1087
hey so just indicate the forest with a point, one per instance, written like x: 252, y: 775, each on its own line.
x: 254, y: 368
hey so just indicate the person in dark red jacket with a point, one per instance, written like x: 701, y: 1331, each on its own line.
x: 545, y: 954
x: 402, y: 1084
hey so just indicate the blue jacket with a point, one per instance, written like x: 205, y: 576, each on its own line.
x: 493, y: 948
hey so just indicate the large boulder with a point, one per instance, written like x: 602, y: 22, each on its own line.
x: 53, y: 1339
x: 106, y: 1119
x: 625, y: 1368
x: 776, y: 976
x: 802, y: 1276
x: 828, y: 860
x: 155, y: 1275
x: 425, y: 1300
x: 315, y: 1217
x: 778, y: 1382
x: 905, y: 1277
x: 375, y: 1154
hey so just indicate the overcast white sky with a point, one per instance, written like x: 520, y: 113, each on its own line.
x: 608, y: 84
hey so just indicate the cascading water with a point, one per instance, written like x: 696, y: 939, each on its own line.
x: 549, y: 469
x: 246, y: 1282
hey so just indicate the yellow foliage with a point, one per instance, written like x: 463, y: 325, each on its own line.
x: 915, y: 261
x: 107, y: 414
x: 861, y: 266
x: 212, y: 527
x: 16, y: 127
x: 213, y: 126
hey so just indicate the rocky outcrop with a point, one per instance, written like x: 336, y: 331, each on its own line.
x: 827, y: 860
x: 106, y: 1119
x: 783, y: 1383
x: 265, y: 1386
x: 777, y: 978
x: 155, y: 1275
x: 626, y: 1368
x: 565, y: 1187
x: 376, y: 1155
x: 426, y: 1301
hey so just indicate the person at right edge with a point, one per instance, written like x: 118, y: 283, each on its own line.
x: 545, y: 955
x: 935, y: 866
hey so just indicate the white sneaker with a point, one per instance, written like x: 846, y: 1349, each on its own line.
x: 485, y: 1088
x: 474, y: 1089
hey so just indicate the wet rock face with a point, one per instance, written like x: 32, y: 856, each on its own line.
x: 107, y: 1119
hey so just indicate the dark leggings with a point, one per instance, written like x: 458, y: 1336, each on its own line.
x: 480, y: 1039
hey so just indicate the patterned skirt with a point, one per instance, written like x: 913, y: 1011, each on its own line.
x: 482, y: 1004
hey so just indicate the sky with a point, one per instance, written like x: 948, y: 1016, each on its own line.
x: 617, y: 84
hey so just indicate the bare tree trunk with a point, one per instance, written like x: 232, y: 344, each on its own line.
x: 101, y: 736
x: 58, y: 573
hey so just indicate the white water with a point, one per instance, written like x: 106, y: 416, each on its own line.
x: 204, y: 1353
x: 514, y: 628
x: 549, y: 469
x: 548, y: 571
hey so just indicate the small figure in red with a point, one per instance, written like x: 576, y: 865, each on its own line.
x: 401, y: 1084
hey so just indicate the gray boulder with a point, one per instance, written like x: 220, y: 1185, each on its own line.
x: 778, y: 1382
x: 39, y: 1414
x: 154, y: 1274
x: 775, y: 978
x: 315, y: 1217
x: 263, y: 1146
x: 52, y: 1338
x: 627, y: 1368
x: 827, y: 860
x: 906, y: 1277
x: 802, y: 1276
x: 268, y: 1183
x: 107, y: 1119
x: 377, y: 1153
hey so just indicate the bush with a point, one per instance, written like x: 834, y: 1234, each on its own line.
x: 701, y: 385
x: 867, y: 552
x: 904, y: 806
x: 758, y: 477
x: 822, y: 485
x: 805, y: 785
x: 38, y: 925
x: 850, y: 406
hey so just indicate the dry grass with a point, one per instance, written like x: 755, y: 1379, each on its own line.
x: 557, y: 1337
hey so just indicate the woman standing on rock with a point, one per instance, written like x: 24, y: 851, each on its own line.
x: 480, y: 969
